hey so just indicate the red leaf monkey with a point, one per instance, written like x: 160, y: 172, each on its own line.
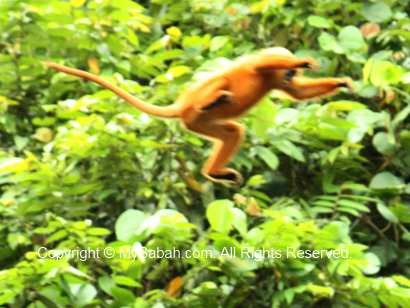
x: 210, y: 108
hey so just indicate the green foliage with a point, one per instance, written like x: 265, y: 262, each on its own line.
x: 96, y: 197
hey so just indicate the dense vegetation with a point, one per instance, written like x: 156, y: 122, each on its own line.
x: 81, y: 170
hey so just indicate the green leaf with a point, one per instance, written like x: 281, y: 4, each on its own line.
x: 268, y: 157
x: 331, y: 132
x: 59, y: 235
x: 324, y: 203
x: 385, y: 73
x: 218, y: 42
x: 16, y: 239
x: 167, y: 55
x: 220, y: 215
x: 173, y: 73
x: 128, y: 225
x: 106, y: 283
x: 345, y: 105
x: 7, y: 296
x: 125, y: 281
x: 21, y: 142
x: 122, y: 296
x: 383, y: 143
x: 98, y: 231
x: 319, y: 21
x: 401, y: 117
x: 263, y: 117
x: 354, y: 205
x: 83, y: 293
x: 286, y: 115
x: 321, y: 210
x: 349, y: 211
x: 13, y: 165
x: 401, y: 211
x: 405, y: 140
x: 377, y: 12
x: 351, y: 38
x: 386, y: 181
x: 402, y: 280
x: 365, y: 121
x: 256, y: 180
x: 406, y: 236
x: 373, y: 264
x: 406, y: 78
x: 329, y: 43
x: 320, y: 291
x: 239, y: 220
x: 386, y: 213
x: 290, y: 149
x: 180, y: 70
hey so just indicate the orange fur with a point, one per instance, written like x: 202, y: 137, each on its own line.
x: 210, y: 107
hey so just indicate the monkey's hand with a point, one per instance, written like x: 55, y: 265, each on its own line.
x: 345, y: 83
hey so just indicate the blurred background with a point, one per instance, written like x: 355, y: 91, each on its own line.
x: 82, y: 170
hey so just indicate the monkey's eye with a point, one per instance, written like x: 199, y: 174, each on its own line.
x: 289, y: 75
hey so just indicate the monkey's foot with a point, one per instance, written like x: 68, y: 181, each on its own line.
x: 226, y: 176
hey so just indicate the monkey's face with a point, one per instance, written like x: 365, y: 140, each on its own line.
x: 282, y: 79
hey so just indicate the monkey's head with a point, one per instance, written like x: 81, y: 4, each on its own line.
x: 291, y: 80
x: 293, y: 83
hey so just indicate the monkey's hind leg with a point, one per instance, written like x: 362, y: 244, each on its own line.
x: 227, y: 137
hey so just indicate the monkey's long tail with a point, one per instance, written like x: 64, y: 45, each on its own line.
x: 171, y: 111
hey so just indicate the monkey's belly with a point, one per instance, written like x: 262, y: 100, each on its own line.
x: 229, y: 111
x: 236, y: 107
x: 191, y: 117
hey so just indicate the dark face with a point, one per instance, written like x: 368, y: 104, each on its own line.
x: 282, y: 79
